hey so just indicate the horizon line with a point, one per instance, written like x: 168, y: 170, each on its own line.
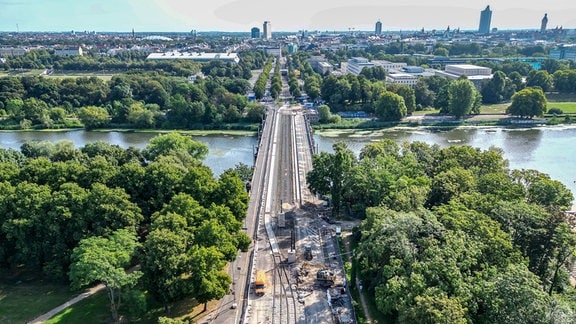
x: 279, y: 31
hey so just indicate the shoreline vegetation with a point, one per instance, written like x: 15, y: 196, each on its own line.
x: 430, y: 120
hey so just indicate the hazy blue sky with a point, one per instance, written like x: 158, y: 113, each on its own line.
x: 241, y: 15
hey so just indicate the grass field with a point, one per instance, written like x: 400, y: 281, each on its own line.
x: 567, y: 107
x: 92, y: 310
x: 105, y: 77
x: 22, y: 300
x: 18, y: 73
x: 21, y: 73
x: 96, y: 310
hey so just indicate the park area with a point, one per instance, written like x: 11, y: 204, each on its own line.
x: 23, y: 297
x: 61, y: 75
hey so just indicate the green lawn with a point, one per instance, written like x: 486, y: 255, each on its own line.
x: 496, y: 109
x: 567, y: 107
x: 105, y: 77
x: 92, y: 310
x: 21, y: 72
x: 96, y: 310
x: 22, y: 300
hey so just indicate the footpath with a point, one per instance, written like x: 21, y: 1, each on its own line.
x: 368, y: 318
x: 46, y: 316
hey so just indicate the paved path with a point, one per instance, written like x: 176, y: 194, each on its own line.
x: 46, y: 316
x: 368, y: 318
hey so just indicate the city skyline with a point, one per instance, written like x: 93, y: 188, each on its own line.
x: 242, y: 15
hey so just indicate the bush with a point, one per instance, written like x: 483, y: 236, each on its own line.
x: 556, y: 111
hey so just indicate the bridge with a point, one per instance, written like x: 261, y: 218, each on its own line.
x: 283, y: 219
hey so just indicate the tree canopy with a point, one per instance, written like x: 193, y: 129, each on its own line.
x: 528, y: 102
x: 451, y: 235
x: 85, y: 215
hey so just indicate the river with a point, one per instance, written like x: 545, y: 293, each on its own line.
x: 547, y: 149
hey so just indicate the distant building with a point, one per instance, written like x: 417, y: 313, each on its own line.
x: 267, y: 30
x: 386, y: 65
x: 378, y: 29
x: 196, y: 57
x: 357, y: 64
x: 564, y: 53
x: 255, y: 32
x: 402, y: 78
x: 320, y: 65
x: 474, y: 73
x: 544, y: 23
x: 485, y: 19
x: 276, y: 51
x: 68, y: 51
x: 12, y: 51
x: 292, y: 48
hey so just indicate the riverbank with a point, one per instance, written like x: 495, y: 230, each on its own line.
x: 435, y: 120
x: 192, y: 132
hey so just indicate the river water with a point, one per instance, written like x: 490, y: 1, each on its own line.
x: 551, y: 150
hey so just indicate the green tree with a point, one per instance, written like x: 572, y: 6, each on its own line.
x: 104, y: 259
x: 528, y: 102
x: 166, y: 261
x: 407, y: 93
x: 329, y: 173
x: 210, y: 282
x: 493, y: 89
x: 254, y: 113
x: 390, y: 107
x: 93, y: 117
x: 541, y: 79
x: 173, y: 143
x: 461, y: 97
x: 324, y: 113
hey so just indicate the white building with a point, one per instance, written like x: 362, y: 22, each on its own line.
x: 389, y: 65
x: 68, y: 51
x: 355, y: 65
x: 468, y: 70
x: 275, y: 51
x: 267, y: 30
x: 320, y: 65
x: 194, y: 56
x: 474, y: 73
x: 402, y: 78
x: 12, y: 51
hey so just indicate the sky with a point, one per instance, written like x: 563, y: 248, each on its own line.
x: 292, y: 15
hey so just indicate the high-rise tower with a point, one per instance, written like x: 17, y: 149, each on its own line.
x: 378, y: 29
x: 255, y: 32
x: 267, y: 30
x: 544, y: 23
x: 485, y: 19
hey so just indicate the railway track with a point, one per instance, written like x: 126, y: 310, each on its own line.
x: 284, y: 308
x: 280, y: 191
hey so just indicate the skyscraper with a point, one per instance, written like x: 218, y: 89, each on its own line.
x: 255, y: 32
x: 378, y: 30
x: 267, y: 30
x: 485, y: 18
x: 544, y: 23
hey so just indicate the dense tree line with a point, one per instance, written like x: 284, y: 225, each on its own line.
x: 276, y: 82
x: 293, y: 66
x: 141, y: 100
x: 452, y: 235
x: 128, y: 60
x: 87, y: 214
x: 260, y: 84
x: 93, y: 62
